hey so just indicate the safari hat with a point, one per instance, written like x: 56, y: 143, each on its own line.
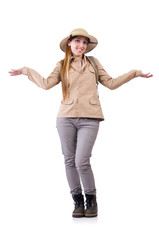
x: 80, y: 32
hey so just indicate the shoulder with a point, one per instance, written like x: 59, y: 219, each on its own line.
x: 95, y: 61
x: 59, y: 64
x: 92, y: 58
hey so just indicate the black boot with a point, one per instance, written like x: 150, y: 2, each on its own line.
x: 91, y: 206
x: 79, y: 206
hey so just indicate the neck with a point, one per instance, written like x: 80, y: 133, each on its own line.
x: 78, y: 56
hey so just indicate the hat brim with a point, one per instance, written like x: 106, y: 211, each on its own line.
x: 91, y: 45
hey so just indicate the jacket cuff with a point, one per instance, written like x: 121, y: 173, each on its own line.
x: 138, y: 73
x: 24, y: 70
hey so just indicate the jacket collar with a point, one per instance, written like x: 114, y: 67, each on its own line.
x: 76, y: 63
x: 76, y: 59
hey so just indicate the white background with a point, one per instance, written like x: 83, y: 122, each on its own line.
x: 35, y: 202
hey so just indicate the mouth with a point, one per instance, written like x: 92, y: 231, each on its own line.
x: 80, y: 50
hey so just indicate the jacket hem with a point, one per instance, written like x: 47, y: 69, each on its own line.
x: 91, y: 117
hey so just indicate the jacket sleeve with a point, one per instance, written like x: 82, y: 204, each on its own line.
x: 45, y: 83
x: 113, y: 83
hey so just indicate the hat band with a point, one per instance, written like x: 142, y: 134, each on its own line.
x: 87, y: 37
x: 93, y: 42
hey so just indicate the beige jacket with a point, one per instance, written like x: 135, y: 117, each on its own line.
x: 83, y: 100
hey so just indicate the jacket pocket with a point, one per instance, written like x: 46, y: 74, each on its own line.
x: 94, y: 101
x: 67, y: 102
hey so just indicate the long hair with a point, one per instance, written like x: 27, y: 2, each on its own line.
x: 66, y: 64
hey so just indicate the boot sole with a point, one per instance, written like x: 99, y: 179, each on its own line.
x: 91, y: 215
x: 77, y: 215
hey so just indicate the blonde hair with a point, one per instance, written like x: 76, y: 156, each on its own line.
x: 66, y: 64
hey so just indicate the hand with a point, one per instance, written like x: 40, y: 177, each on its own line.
x: 147, y: 75
x: 16, y: 72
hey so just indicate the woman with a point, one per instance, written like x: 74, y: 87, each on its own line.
x: 80, y: 112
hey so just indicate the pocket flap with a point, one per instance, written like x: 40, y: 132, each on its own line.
x: 67, y: 101
x: 94, y: 101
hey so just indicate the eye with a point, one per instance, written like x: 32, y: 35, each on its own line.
x: 85, y: 43
x: 77, y: 40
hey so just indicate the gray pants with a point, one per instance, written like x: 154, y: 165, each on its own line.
x: 77, y: 137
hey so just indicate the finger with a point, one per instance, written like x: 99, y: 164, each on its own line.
x: 149, y: 75
x: 146, y: 74
x: 12, y: 73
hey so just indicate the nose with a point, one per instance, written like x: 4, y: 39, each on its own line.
x: 81, y: 44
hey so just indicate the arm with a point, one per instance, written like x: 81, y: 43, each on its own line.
x: 45, y: 83
x: 113, y: 83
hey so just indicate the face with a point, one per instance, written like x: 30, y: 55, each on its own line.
x: 78, y: 45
